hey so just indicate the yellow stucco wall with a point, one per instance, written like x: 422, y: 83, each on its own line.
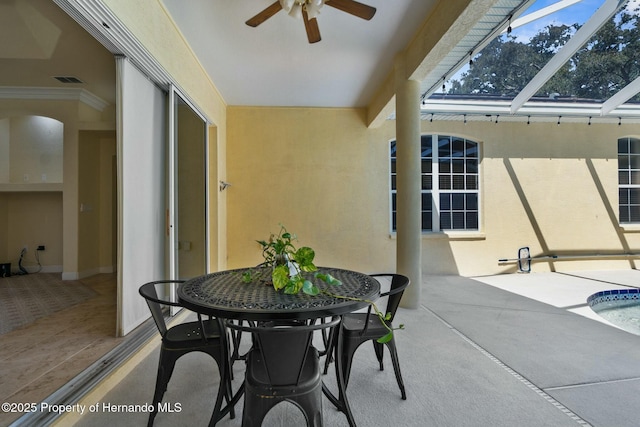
x: 324, y: 175
x: 320, y: 172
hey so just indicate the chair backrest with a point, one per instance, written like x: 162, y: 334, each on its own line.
x: 398, y: 285
x: 284, y: 347
x: 151, y: 293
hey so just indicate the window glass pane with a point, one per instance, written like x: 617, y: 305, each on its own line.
x: 427, y: 182
x: 472, y: 165
x: 634, y: 196
x: 444, y: 147
x: 393, y: 148
x: 472, y: 201
x: 445, y: 221
x: 445, y: 202
x: 427, y: 221
x: 623, y: 162
x: 458, y: 220
x: 458, y: 182
x: 445, y: 166
x: 445, y: 182
x: 623, y: 195
x: 634, y: 213
x: 457, y: 201
x: 472, y: 149
x: 623, y: 145
x: 425, y: 144
x: 426, y: 202
x: 393, y: 182
x: 624, y: 214
x: 426, y: 166
x: 623, y: 177
x: 457, y: 166
x: 634, y: 145
x: 634, y: 162
x: 457, y: 147
x: 393, y: 165
x: 472, y: 221
x: 393, y: 221
x: 393, y: 201
x: 472, y: 182
x: 635, y: 177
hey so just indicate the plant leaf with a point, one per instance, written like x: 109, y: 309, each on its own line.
x: 328, y: 279
x: 247, y: 276
x: 280, y: 277
x: 385, y: 338
x: 309, y: 288
x: 304, y: 257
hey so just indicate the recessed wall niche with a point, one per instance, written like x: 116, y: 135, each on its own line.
x: 31, y: 150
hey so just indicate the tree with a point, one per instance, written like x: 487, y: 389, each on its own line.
x: 607, y: 63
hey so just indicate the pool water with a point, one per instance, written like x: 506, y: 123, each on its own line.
x: 620, y: 307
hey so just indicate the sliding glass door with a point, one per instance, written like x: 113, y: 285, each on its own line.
x: 187, y: 211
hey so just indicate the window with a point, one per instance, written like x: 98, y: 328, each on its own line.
x: 450, y: 183
x: 629, y: 179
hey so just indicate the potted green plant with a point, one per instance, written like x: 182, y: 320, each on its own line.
x: 288, y: 262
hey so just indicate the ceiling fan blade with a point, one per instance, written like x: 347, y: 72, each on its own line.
x: 353, y: 7
x: 265, y: 14
x: 311, y: 25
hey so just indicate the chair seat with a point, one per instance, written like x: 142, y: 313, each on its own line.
x: 190, y: 331
x: 353, y: 324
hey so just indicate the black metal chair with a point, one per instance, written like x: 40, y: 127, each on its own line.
x: 358, y: 328
x: 207, y: 336
x: 282, y: 365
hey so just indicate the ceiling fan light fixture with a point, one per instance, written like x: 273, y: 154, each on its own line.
x: 295, y: 7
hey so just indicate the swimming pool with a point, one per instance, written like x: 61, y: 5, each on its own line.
x: 620, y: 307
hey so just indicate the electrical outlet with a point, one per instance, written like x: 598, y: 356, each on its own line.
x: 40, y: 248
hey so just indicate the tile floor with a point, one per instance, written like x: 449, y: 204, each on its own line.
x: 39, y: 358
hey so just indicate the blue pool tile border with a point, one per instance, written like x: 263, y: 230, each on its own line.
x: 614, y: 295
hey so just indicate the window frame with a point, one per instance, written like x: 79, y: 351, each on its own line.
x: 626, y: 168
x: 435, y: 191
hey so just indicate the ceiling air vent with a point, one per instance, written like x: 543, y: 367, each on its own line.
x: 68, y: 79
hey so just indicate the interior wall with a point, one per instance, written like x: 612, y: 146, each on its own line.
x: 326, y: 177
x: 4, y: 224
x: 95, y: 224
x: 73, y: 117
x: 33, y: 219
x: 5, y: 152
x: 35, y: 149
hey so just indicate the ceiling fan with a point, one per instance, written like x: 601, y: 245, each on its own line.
x: 309, y: 10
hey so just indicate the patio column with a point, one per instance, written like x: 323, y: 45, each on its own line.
x: 408, y: 179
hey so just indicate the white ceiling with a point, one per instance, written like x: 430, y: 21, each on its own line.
x: 274, y: 65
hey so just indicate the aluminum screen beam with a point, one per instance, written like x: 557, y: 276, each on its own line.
x: 582, y: 36
x: 623, y: 95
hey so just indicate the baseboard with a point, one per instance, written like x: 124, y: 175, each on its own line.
x: 79, y: 275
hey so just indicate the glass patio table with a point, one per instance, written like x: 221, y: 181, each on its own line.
x: 226, y: 295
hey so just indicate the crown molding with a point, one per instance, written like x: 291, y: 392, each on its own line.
x: 54, y: 94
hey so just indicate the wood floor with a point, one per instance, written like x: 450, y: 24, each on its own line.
x: 39, y: 358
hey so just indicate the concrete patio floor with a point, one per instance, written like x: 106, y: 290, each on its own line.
x: 508, y: 350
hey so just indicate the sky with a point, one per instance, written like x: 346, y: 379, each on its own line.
x: 576, y: 13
